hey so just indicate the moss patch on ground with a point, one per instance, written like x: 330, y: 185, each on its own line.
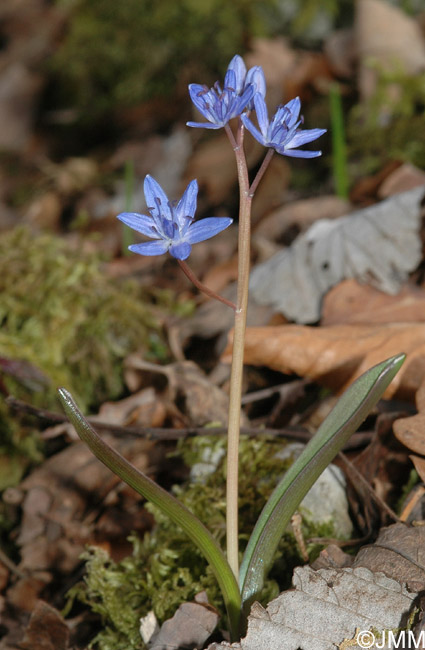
x: 166, y: 569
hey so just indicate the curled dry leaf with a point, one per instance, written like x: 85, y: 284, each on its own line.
x: 295, y: 280
x: 335, y: 356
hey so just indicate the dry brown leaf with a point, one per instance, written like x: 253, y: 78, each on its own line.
x: 300, y: 215
x: 200, y: 401
x: 46, y: 630
x: 411, y: 432
x: 144, y: 409
x: 352, y: 302
x: 272, y: 189
x: 399, y: 552
x: 419, y: 464
x: 213, y: 165
x: 404, y: 178
x: 277, y: 60
x: 295, y: 280
x: 335, y: 356
x: 190, y: 627
x: 221, y: 274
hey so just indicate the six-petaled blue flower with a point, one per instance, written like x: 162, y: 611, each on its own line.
x: 170, y: 225
x: 218, y: 105
x: 282, y: 133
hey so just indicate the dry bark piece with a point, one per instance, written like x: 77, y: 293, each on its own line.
x: 338, y: 602
x: 335, y: 356
x: 46, y: 630
x: 295, y: 280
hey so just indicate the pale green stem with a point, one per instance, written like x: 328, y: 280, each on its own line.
x: 246, y: 193
x: 238, y: 352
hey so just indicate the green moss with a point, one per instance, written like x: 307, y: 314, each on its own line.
x: 60, y: 312
x: 118, y: 54
x: 165, y: 568
x: 391, y: 124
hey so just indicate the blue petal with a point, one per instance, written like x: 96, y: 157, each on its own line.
x: 238, y: 66
x: 298, y: 153
x: 150, y: 248
x: 181, y: 250
x: 197, y: 94
x: 262, y: 114
x: 294, y: 107
x: 153, y: 192
x: 253, y: 130
x: 139, y: 222
x: 169, y: 228
x: 243, y: 100
x: 186, y: 207
x: 230, y: 81
x: 302, y: 137
x: 204, y: 125
x: 255, y: 77
x: 206, y: 228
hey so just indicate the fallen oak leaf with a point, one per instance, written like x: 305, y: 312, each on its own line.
x: 338, y: 602
x: 335, y: 356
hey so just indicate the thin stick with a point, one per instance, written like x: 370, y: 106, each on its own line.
x: 157, y: 433
x: 198, y: 284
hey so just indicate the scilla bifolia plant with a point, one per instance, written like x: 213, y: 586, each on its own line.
x: 172, y: 227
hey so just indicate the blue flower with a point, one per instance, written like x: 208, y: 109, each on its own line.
x: 282, y: 133
x: 218, y: 105
x: 170, y: 225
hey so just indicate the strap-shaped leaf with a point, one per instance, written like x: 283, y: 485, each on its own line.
x: 349, y: 412
x: 177, y: 512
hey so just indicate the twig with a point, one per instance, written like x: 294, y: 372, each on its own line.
x: 156, y: 433
x: 361, y: 479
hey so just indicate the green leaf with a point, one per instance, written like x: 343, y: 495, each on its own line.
x: 177, y: 512
x: 349, y: 412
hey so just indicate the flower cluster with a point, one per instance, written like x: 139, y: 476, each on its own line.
x: 171, y: 226
x: 245, y: 91
x: 282, y: 133
x: 219, y: 106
